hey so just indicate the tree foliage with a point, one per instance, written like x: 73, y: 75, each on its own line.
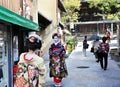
x: 72, y: 7
x: 109, y: 8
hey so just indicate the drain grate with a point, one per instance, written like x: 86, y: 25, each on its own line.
x: 83, y: 67
x: 50, y: 85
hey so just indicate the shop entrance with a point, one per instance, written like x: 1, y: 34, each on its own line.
x: 3, y: 57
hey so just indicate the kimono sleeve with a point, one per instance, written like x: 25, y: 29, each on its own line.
x: 50, y: 50
x: 42, y: 67
x: 42, y: 70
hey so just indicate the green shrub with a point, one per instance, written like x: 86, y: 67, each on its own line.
x: 70, y: 40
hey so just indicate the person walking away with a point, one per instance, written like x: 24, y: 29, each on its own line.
x: 85, y: 45
x: 103, y: 50
x: 31, y: 67
x: 57, y: 65
x: 95, y: 46
x: 108, y: 36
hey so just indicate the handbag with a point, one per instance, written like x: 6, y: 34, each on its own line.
x: 92, y: 50
x: 99, y: 50
x: 85, y: 46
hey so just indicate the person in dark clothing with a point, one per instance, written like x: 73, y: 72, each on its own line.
x: 85, y: 45
x: 103, y: 50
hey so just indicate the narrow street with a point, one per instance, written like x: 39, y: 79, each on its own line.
x: 86, y: 72
x: 31, y: 26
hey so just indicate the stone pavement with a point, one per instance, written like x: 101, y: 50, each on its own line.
x: 85, y: 72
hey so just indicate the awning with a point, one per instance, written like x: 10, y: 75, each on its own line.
x: 12, y: 17
x: 98, y: 22
x: 43, y: 21
x: 61, y: 6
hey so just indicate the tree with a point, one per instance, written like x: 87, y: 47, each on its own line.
x: 109, y: 8
x: 72, y: 7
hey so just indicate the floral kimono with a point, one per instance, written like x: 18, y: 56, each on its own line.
x: 57, y: 63
x: 36, y: 61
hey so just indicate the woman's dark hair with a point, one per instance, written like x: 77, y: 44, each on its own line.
x: 55, y: 34
x: 34, y: 43
x: 104, y: 39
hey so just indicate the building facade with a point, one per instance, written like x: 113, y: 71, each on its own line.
x: 17, y: 19
x: 49, y: 19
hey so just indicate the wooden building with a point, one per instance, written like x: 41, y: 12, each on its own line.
x: 17, y: 19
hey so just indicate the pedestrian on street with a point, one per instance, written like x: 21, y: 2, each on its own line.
x: 107, y: 35
x: 103, y: 50
x: 31, y: 67
x: 57, y: 65
x: 95, y: 46
x: 85, y: 45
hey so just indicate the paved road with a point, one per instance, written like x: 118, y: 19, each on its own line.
x: 85, y: 72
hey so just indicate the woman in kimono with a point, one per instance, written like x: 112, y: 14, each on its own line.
x: 57, y: 65
x: 33, y: 59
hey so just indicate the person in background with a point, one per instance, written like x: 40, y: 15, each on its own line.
x: 103, y: 50
x: 95, y: 46
x: 57, y: 65
x: 85, y: 45
x: 107, y: 35
x: 33, y: 43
